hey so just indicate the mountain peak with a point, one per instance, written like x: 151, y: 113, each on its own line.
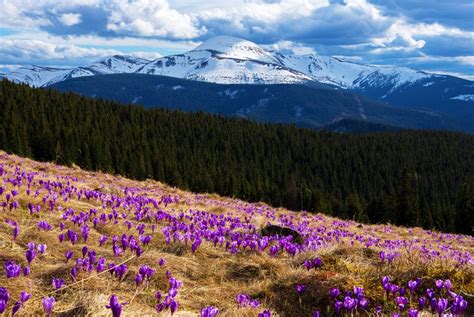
x: 234, y: 47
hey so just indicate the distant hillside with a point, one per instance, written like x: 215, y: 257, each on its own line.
x: 358, y: 126
x: 311, y: 106
x: 415, y: 178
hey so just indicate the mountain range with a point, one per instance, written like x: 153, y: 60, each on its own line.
x: 225, y: 60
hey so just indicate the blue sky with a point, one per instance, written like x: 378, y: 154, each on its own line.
x: 432, y: 35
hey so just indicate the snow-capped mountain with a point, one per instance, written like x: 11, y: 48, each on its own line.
x: 39, y: 76
x: 230, y: 60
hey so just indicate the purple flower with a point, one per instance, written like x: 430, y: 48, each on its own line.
x: 30, y: 255
x: 209, y: 311
x: 4, y: 298
x: 439, y: 284
x: 363, y: 303
x: 447, y: 284
x: 385, y: 280
x: 41, y: 248
x: 349, y: 303
x: 161, y: 262
x: 316, y: 314
x: 57, y: 283
x: 115, y: 306
x: 412, y: 312
x: 442, y: 305
x: 69, y: 254
x: 16, y: 308
x: 26, y: 271
x: 308, y: 264
x: 317, y: 262
x: 265, y: 313
x: 421, y: 302
x: 334, y: 292
x: 12, y: 269
x: 300, y: 288
x: 48, y: 305
x: 412, y: 285
x: 3, y: 306
x: 24, y: 296
x: 173, y: 306
x: 73, y: 273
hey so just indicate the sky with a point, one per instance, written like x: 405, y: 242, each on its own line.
x: 432, y: 35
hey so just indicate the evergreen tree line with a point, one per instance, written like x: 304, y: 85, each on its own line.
x: 412, y: 178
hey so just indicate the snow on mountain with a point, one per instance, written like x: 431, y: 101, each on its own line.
x: 231, y: 60
x: 36, y: 76
x: 39, y: 76
x: 225, y: 60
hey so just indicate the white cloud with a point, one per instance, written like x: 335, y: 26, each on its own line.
x: 21, y: 51
x: 145, y: 55
x: 289, y: 46
x: 150, y: 18
x: 70, y: 19
x: 410, y: 34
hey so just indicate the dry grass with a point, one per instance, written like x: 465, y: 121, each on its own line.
x: 212, y: 276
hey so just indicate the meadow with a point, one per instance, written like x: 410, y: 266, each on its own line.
x: 77, y: 243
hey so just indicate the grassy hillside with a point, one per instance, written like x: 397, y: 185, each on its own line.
x: 212, y: 249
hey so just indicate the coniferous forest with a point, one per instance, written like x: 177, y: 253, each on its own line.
x: 412, y: 178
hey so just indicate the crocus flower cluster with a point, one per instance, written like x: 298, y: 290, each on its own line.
x: 209, y: 311
x: 244, y: 300
x: 169, y: 301
x: 350, y: 302
x: 315, y: 263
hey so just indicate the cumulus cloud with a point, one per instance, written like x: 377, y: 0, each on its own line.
x: 289, y: 47
x: 150, y: 18
x: 70, y: 19
x: 21, y: 51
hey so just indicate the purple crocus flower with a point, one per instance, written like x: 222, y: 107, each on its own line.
x: 412, y: 312
x: 363, y: 303
x: 300, y: 288
x: 447, y: 284
x: 412, y: 285
x: 421, y: 302
x: 41, y: 248
x: 349, y: 303
x: 69, y: 254
x: 439, y: 284
x: 265, y: 313
x: 3, y: 306
x: 26, y: 271
x: 173, y: 306
x: 48, y: 305
x: 161, y: 262
x: 12, y: 269
x: 30, y: 255
x: 57, y: 283
x: 73, y: 273
x: 334, y: 292
x: 308, y: 264
x: 115, y: 306
x: 16, y: 308
x: 4, y: 298
x: 209, y: 311
x: 317, y: 262
x: 442, y: 305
